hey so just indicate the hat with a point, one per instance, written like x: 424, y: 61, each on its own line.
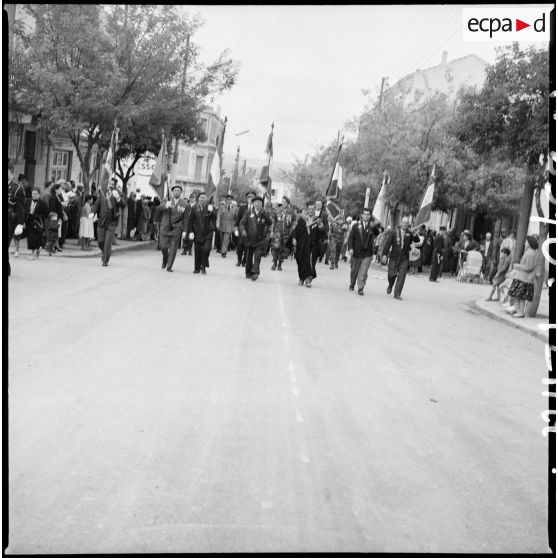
x: 442, y: 228
x: 287, y: 199
x: 258, y: 198
x: 250, y: 193
x: 177, y: 186
x: 229, y: 196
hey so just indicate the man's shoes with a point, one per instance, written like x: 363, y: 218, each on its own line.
x: 351, y: 287
x: 203, y: 271
x: 105, y: 264
x: 237, y: 264
x: 170, y: 270
x: 279, y: 268
x: 274, y: 266
x: 254, y: 276
x: 248, y: 277
x: 223, y: 255
x: 389, y: 290
x: 196, y: 271
x: 336, y: 266
x: 301, y: 283
x: 243, y: 264
x: 434, y: 280
x: 397, y: 298
x: 331, y: 266
x: 361, y: 292
x: 163, y: 265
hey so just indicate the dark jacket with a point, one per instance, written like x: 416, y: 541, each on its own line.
x: 239, y: 214
x: 51, y: 228
x: 202, y: 223
x: 255, y: 228
x: 392, y: 246
x: 361, y: 239
x: 108, y: 211
x: 53, y: 202
x: 39, y: 215
x: 175, y: 221
x: 16, y: 203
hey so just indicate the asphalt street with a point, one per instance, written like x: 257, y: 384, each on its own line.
x: 159, y: 412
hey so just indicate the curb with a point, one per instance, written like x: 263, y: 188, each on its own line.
x: 542, y: 335
x: 120, y: 248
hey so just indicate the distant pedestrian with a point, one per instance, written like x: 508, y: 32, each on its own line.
x: 487, y: 251
x: 361, y: 249
x: 279, y: 236
x: 300, y: 240
x: 437, y: 256
x: 255, y: 227
x: 201, y: 226
x: 36, y: 213
x: 107, y: 208
x: 16, y: 209
x: 397, y: 246
x: 131, y: 218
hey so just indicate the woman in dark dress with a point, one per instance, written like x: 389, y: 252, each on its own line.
x: 36, y: 211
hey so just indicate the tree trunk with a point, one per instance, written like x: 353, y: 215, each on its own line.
x: 523, y: 226
x: 532, y: 307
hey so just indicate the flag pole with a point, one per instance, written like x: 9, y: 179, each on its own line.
x: 269, y: 163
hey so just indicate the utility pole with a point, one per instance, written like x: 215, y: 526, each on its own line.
x: 244, y: 168
x: 380, y: 103
x: 236, y: 162
x: 182, y: 89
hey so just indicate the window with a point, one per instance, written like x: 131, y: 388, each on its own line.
x: 59, y: 165
x: 199, y: 163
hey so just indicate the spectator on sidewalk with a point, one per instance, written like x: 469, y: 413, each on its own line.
x: 500, y: 276
x: 36, y: 212
x: 86, y: 232
x: 52, y: 198
x: 51, y: 228
x: 487, y: 251
x: 131, y: 219
x: 525, y: 273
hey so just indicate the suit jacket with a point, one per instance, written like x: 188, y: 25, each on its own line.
x: 239, y: 214
x: 40, y: 214
x: 174, y: 221
x: 399, y: 252
x: 202, y: 223
x: 255, y: 227
x: 108, y: 213
x: 361, y: 239
x: 131, y: 210
x: 227, y: 217
x: 490, y: 253
x: 16, y: 203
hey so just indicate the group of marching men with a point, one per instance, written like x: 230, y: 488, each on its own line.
x: 283, y: 230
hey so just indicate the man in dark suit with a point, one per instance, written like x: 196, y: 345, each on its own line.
x: 107, y: 208
x: 200, y: 227
x: 138, y: 212
x: 398, y: 245
x: 487, y: 251
x: 131, y: 220
x: 241, y: 246
x: 255, y: 228
x: 320, y: 213
x: 437, y: 256
x: 318, y: 227
x: 16, y: 209
x: 174, y: 224
x: 361, y: 249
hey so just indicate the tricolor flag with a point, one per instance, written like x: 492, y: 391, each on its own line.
x: 336, y: 186
x: 107, y: 173
x: 333, y: 209
x: 380, y: 205
x: 214, y: 176
x: 265, y: 178
x: 269, y: 146
x: 159, y: 176
x: 423, y: 215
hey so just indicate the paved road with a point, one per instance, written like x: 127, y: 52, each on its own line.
x: 188, y: 413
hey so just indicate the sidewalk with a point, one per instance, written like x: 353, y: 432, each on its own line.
x: 73, y: 250
x: 530, y: 325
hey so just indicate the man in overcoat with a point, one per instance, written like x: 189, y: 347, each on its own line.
x: 241, y: 246
x: 174, y: 225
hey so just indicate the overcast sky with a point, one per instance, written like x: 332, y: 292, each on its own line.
x: 305, y: 67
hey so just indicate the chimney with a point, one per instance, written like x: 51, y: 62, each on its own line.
x: 444, y: 57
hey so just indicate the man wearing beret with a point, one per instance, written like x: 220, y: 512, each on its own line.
x: 174, y: 223
x: 254, y: 228
x: 200, y: 227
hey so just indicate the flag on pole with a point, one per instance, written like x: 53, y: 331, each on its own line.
x: 380, y: 205
x: 332, y: 190
x: 336, y: 187
x: 214, y: 176
x: 265, y: 178
x: 107, y: 172
x: 159, y: 176
x: 426, y: 206
x: 332, y: 208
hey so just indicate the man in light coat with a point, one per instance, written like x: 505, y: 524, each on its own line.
x: 226, y: 217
